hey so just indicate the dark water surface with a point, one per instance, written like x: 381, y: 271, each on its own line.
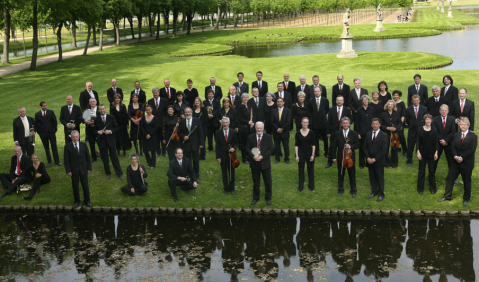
x: 93, y: 247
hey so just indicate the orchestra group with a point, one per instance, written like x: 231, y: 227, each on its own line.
x: 183, y: 126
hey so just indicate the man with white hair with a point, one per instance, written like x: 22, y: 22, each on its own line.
x: 110, y: 93
x: 85, y: 96
x: 23, y: 129
x: 436, y: 101
x: 303, y: 87
x: 20, y: 172
x: 289, y: 85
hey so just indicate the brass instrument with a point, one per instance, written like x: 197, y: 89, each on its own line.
x: 89, y: 115
x: 31, y: 136
x: 210, y: 110
x: 69, y: 130
x: 24, y: 188
x: 92, y: 116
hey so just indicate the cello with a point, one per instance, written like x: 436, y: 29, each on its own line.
x: 347, y: 156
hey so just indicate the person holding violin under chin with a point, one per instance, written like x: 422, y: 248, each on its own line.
x: 391, y: 124
x: 344, y: 145
x: 170, y: 132
x: 226, y: 144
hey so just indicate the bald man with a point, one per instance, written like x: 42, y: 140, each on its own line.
x: 71, y: 118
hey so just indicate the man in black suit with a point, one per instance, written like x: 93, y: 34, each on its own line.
x: 46, y: 125
x: 289, y: 86
x: 303, y: 87
x: 159, y: 106
x: 450, y: 92
x: 257, y: 104
x: 260, y: 84
x: 281, y: 122
x: 90, y: 128
x: 191, y: 132
x: 463, y: 148
x: 345, y: 139
x: 243, y: 86
x: 226, y: 143
x: 212, y: 124
x: 78, y: 166
x: 85, y: 96
x: 71, y: 117
x: 141, y: 94
x: 168, y: 93
x: 463, y: 107
x: 260, y: 164
x: 355, y: 95
x: 445, y: 126
x: 340, y: 89
x: 105, y: 129
x: 234, y: 97
x: 285, y: 95
x: 435, y: 102
x: 319, y: 108
x: 324, y: 92
x: 110, y: 93
x: 375, y: 150
x: 334, y: 121
x: 414, y: 118
x: 417, y: 89
x: 20, y: 172
x: 216, y: 89
x: 181, y: 173
x: 23, y: 127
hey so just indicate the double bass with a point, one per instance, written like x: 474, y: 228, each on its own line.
x: 347, y: 156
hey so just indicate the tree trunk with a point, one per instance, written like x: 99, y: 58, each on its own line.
x: 140, y: 19
x: 101, y: 38
x: 33, y: 64
x: 189, y: 18
x: 218, y: 15
x: 175, y: 20
x: 130, y: 20
x: 14, y: 36
x: 158, y: 27
x: 87, y: 41
x: 74, y: 34
x: 6, y: 42
x: 235, y: 21
x: 150, y: 23
x: 183, y: 22
x: 59, y: 42
x: 117, y: 32
x: 94, y: 35
x: 166, y: 21
x: 211, y: 20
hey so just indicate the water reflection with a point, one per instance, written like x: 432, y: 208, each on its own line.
x: 107, y: 247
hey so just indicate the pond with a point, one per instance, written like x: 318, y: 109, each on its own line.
x: 97, y: 247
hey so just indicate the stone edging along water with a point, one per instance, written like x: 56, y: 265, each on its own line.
x: 243, y: 211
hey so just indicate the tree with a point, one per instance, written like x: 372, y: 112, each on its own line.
x: 90, y: 12
x: 22, y: 19
x: 33, y: 64
x: 57, y: 15
x: 8, y: 6
x: 115, y: 11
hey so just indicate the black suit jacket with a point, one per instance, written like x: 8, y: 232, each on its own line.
x: 237, y: 100
x: 264, y: 87
x: 106, y: 140
x: 19, y: 129
x: 243, y: 89
x: 266, y: 150
x: 186, y: 169
x: 285, y: 123
x: 324, y: 92
x: 47, y: 124
x: 258, y: 111
x: 222, y: 147
x: 412, y: 121
x: 25, y: 167
x: 378, y: 149
x: 353, y: 102
x: 306, y: 91
x: 334, y: 123
x: 468, y: 111
x: 195, y: 140
x: 344, y: 93
x: 319, y: 119
x: 85, y: 99
x: 141, y: 96
x: 337, y: 144
x: 291, y: 87
x: 466, y: 149
x: 413, y: 91
x: 433, y: 106
x: 164, y: 95
x: 288, y: 100
x: 161, y: 112
x: 216, y: 107
x: 76, y: 116
x: 218, y: 92
x: 445, y: 132
x: 77, y: 163
x: 452, y: 93
x: 110, y: 94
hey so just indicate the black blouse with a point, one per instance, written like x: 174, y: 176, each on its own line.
x: 134, y: 176
x: 427, y: 142
x: 388, y: 120
x: 231, y: 114
x: 385, y: 99
x: 305, y: 143
x: 41, y: 169
x: 179, y: 109
x: 202, y: 115
x: 363, y: 120
x: 378, y: 109
x: 122, y: 117
x: 242, y: 116
x: 401, y: 108
x: 299, y: 112
x: 190, y: 95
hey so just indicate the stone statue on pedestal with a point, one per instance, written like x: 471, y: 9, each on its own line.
x: 438, y: 5
x: 442, y: 8
x: 379, y: 13
x: 449, y: 12
x: 346, y: 17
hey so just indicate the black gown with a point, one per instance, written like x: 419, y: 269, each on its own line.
x: 181, y: 109
x: 134, y: 129
x: 378, y: 109
x: 203, y: 116
x: 385, y: 99
x: 268, y: 126
x: 169, y: 124
x: 231, y: 114
x: 122, y: 118
x: 135, y: 181
x: 190, y: 95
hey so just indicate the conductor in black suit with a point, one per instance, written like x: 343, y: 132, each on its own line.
x: 463, y: 149
x: 289, y: 86
x: 78, y: 165
x: 168, y: 93
x: 226, y: 143
x: 241, y: 85
x: 191, y: 134
x: 334, y: 121
x: 216, y: 89
x: 212, y: 105
x: 375, y: 150
x: 281, y: 122
x: 85, y: 96
x: 324, y: 91
x: 319, y: 108
x: 354, y: 96
x: 260, y: 84
x: 20, y: 172
x: 414, y: 115
x: 463, y: 107
x: 445, y: 127
x: 417, y: 89
x: 46, y: 126
x: 435, y: 102
x: 141, y: 94
x: 159, y: 106
x: 260, y: 165
x: 23, y: 127
x: 449, y: 91
x: 181, y: 173
x: 105, y: 129
x: 303, y: 87
x: 110, y: 93
x: 340, y: 89
x: 69, y: 113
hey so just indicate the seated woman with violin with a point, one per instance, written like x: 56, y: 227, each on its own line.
x: 40, y: 175
x: 149, y: 129
x: 135, y: 112
x: 171, y: 139
x: 391, y: 123
x: 135, y: 174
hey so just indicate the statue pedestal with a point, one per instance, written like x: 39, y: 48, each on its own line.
x: 438, y: 6
x: 442, y: 10
x: 449, y: 14
x: 347, y: 50
x: 379, y: 26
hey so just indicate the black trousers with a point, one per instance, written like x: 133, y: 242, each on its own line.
x: 402, y: 140
x: 161, y: 149
x: 27, y: 148
x: 454, y: 172
x: 210, y: 132
x: 376, y: 179
x: 91, y: 142
x: 256, y: 173
x: 277, y: 148
x: 203, y: 150
x: 321, y: 132
x: 138, y: 190
x: 305, y: 158
x: 47, y: 139
x: 243, y: 139
x: 185, y: 186
x: 76, y: 179
x: 362, y: 158
x: 332, y: 154
x: 351, y: 175
x: 228, y: 181
x: 448, y: 152
x: 194, y: 156
x: 68, y: 139
x: 431, y: 165
x: 114, y: 160
x: 411, y: 144
x: 44, y: 179
x: 7, y: 182
x: 172, y: 148
x: 150, y: 158
x: 392, y: 159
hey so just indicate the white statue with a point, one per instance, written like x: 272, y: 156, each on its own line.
x: 346, y: 17
x: 438, y: 5
x: 450, y: 5
x: 379, y: 13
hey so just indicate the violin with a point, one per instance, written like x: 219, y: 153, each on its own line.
x: 347, y: 156
x: 234, y: 159
x: 175, y: 136
x: 394, y: 140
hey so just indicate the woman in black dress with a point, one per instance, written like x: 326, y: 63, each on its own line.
x: 170, y: 122
x: 135, y: 135
x: 243, y: 121
x: 300, y: 110
x: 427, y: 146
x: 118, y: 110
x: 40, y: 175
x: 304, y: 147
x: 362, y: 125
x: 384, y: 95
x: 149, y: 129
x: 199, y: 111
x: 390, y: 123
x: 268, y: 110
x: 180, y: 105
x: 135, y: 174
x: 402, y: 112
x: 227, y: 111
x: 376, y: 105
x: 190, y: 92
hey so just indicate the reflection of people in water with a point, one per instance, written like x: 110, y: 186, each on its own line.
x: 231, y: 232
x: 85, y: 251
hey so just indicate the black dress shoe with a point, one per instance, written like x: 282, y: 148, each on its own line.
x: 93, y: 160
x: 404, y: 154
x: 198, y: 180
x: 225, y: 193
x: 122, y: 177
x: 37, y: 192
x: 380, y: 198
x: 88, y: 204
x: 457, y: 182
x: 361, y: 167
x: 108, y: 177
x: 276, y: 161
x: 233, y: 192
x: 409, y: 164
x: 420, y: 193
x: 388, y: 166
x: 372, y: 195
x: 288, y: 162
x: 59, y: 164
x: 246, y: 162
x: 465, y: 203
x: 442, y: 200
x: 269, y: 203
x: 254, y: 202
x: 326, y: 156
x: 165, y: 155
x: 354, y: 195
x: 209, y: 150
x: 328, y: 165
x: 77, y: 205
x: 300, y: 189
x: 433, y: 192
x: 124, y: 154
x: 395, y: 166
x: 49, y: 164
x: 27, y: 198
x: 157, y: 155
x: 175, y: 200
x: 2, y: 195
x: 311, y: 189
x: 340, y: 194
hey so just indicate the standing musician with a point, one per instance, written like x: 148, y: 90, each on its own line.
x: 303, y: 87
x: 417, y: 89
x: 268, y: 109
x: 334, y: 120
x: 344, y: 145
x: 244, y: 120
x: 40, y: 175
x: 217, y: 91
x: 105, y: 129
x: 168, y: 93
x: 449, y: 91
x: 305, y: 145
x: 463, y: 149
x: 375, y: 150
x: 234, y: 97
x: 190, y: 92
x: 319, y: 108
x: 390, y: 124
x: 435, y: 102
x: 340, y: 89
x: 140, y: 92
x: 46, y: 125
x: 135, y: 113
x: 90, y: 128
x: 112, y: 91
x: 20, y: 172
x: 135, y: 174
x: 24, y: 132
x: 401, y: 109
x: 226, y: 144
x: 212, y: 106
x: 241, y: 85
x: 364, y: 116
x: 260, y: 84
x: 158, y: 105
x: 300, y: 110
x: 445, y: 126
x: 181, y: 104
x: 463, y: 107
x: 289, y: 85
x: 376, y: 104
x: 181, y: 173
x: 191, y: 133
x: 354, y: 95
x: 149, y: 130
x: 118, y: 110
x: 199, y: 111
x: 324, y: 91
x: 281, y: 121
x: 227, y: 111
x: 261, y: 164
x: 414, y: 115
x: 170, y: 132
x: 86, y: 95
x: 71, y: 118
x: 427, y: 147
x: 285, y: 95
x: 258, y: 104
